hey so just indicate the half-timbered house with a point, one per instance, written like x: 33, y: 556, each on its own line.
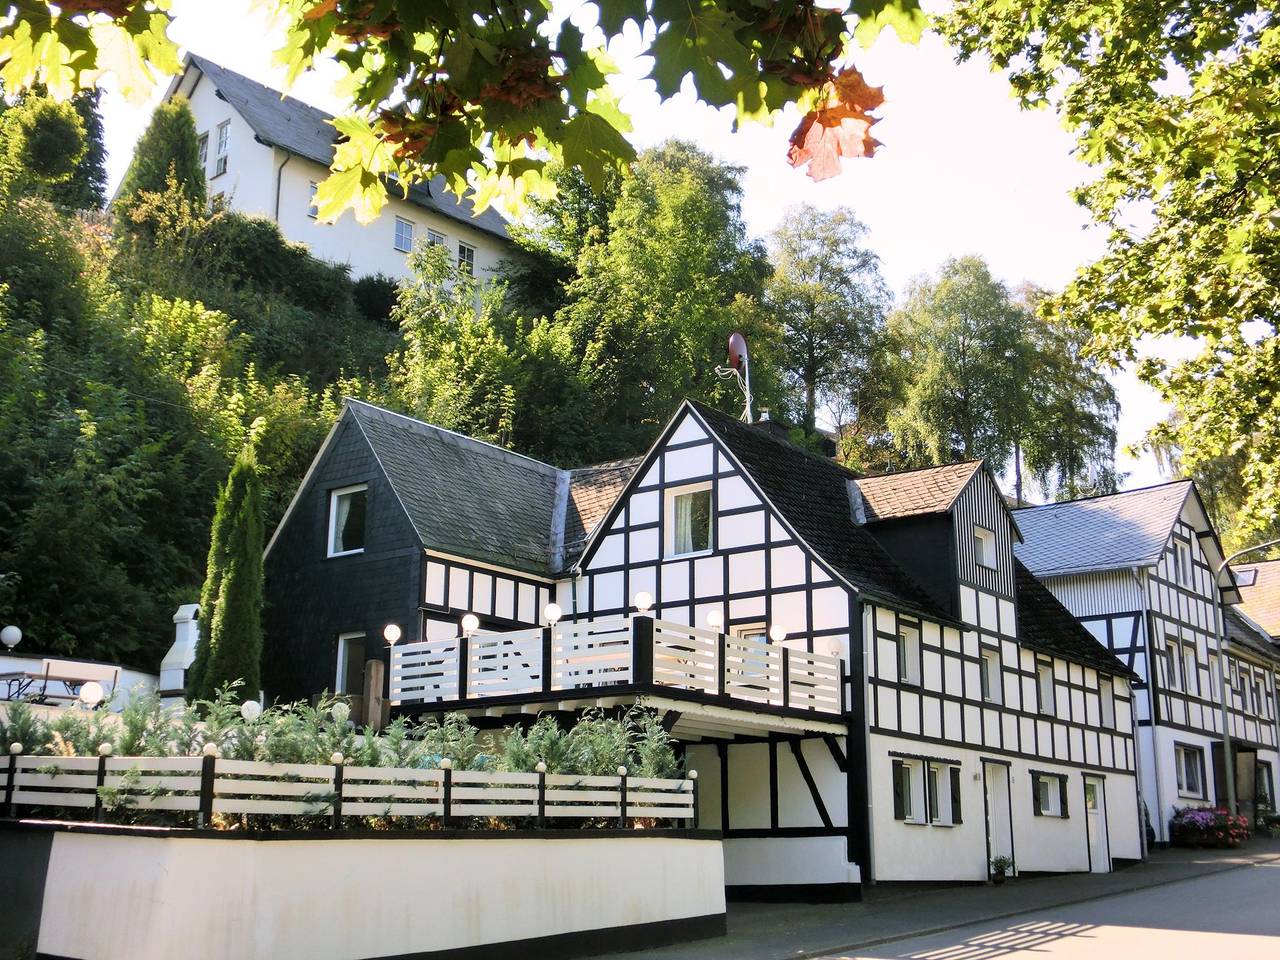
x: 869, y: 684
x: 1140, y: 570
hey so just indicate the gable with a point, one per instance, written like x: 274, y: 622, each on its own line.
x: 980, y: 509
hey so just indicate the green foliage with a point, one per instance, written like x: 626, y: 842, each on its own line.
x: 596, y: 746
x: 230, y: 646
x: 41, y: 141
x: 167, y: 150
x: 375, y: 298
x: 1175, y: 107
x: 86, y: 188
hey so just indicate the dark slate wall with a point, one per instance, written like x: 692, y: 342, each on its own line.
x: 312, y: 598
x: 923, y: 546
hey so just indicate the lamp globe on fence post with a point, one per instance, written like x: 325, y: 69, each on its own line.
x: 643, y: 602
x: 777, y: 633
x: 10, y: 636
x: 392, y: 634
x: 470, y: 624
x: 552, y: 613
x: 250, y: 710
x: 715, y: 619
x: 91, y: 694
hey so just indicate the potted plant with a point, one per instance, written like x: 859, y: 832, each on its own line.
x: 1000, y: 867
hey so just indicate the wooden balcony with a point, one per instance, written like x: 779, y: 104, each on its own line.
x: 618, y: 658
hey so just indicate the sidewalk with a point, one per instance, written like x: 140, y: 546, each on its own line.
x: 794, y: 931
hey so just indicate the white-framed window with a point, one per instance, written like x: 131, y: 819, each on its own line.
x: 1107, y: 702
x: 202, y: 150
x: 909, y: 655
x: 223, y: 148
x: 467, y: 258
x: 1049, y: 794
x: 1044, y: 688
x: 312, y: 210
x: 1189, y: 764
x: 1190, y: 669
x: 688, y: 520
x: 984, y: 546
x: 989, y: 675
x: 1182, y: 562
x: 404, y: 235
x: 758, y: 632
x: 435, y: 238
x: 926, y: 791
x: 349, y: 675
x: 347, y: 508
x: 908, y: 790
x: 1170, y: 663
x: 1265, y: 787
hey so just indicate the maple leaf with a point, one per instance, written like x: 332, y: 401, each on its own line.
x: 841, y: 127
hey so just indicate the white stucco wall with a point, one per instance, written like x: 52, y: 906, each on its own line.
x: 155, y: 898
x: 774, y: 861
x: 249, y: 183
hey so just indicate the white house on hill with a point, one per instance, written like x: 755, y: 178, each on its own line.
x: 264, y: 154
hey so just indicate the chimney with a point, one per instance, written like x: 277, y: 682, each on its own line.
x: 764, y: 414
x: 174, y: 666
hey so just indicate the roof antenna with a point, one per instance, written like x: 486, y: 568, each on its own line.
x: 740, y: 369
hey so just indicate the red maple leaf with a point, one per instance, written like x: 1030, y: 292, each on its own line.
x: 839, y: 128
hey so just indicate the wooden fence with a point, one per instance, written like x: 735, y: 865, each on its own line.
x: 209, y: 785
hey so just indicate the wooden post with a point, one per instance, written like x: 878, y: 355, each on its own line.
x: 337, y: 794
x: 547, y: 633
x: 446, y: 812
x: 693, y: 778
x: 642, y: 651
x: 102, y: 782
x: 464, y: 665
x: 786, y: 676
x: 542, y: 795
x: 622, y: 798
x: 720, y: 664
x: 374, y: 683
x: 9, y: 779
x: 205, y: 816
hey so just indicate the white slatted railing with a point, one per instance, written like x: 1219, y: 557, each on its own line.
x: 592, y: 654
x: 209, y: 786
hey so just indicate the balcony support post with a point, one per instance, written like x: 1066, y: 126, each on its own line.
x: 546, y: 658
x: 464, y: 665
x: 642, y: 651
x: 786, y: 676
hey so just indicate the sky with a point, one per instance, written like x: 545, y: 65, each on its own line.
x: 962, y: 170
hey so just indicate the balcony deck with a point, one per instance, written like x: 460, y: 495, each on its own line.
x: 614, y: 661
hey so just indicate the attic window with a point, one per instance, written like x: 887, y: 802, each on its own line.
x: 224, y: 147
x: 688, y: 520
x: 404, y: 235
x: 347, y: 520
x: 984, y: 547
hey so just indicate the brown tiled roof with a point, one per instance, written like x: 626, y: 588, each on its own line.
x: 1261, y: 601
x: 592, y: 491
x: 1243, y: 632
x: 909, y: 493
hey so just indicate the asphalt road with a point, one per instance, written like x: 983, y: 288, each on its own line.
x: 1235, y: 914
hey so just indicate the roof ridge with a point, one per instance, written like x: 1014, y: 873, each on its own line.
x: 936, y: 466
x: 772, y: 437
x: 202, y: 62
x: 1104, y: 496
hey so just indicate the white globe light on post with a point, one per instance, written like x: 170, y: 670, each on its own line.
x: 552, y: 613
x: 777, y: 633
x: 470, y: 624
x: 643, y: 601
x: 91, y: 694
x: 251, y: 710
x: 392, y: 634
x: 10, y: 636
x: 715, y: 619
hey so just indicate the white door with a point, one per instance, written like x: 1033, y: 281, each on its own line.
x: 995, y: 777
x: 1095, y: 806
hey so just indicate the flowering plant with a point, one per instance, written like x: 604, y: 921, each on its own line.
x: 1204, y: 827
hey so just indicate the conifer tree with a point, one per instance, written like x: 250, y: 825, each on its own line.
x: 87, y: 187
x: 168, y: 144
x: 230, y: 645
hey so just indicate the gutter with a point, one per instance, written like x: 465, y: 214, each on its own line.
x: 1152, y: 698
x: 279, y: 173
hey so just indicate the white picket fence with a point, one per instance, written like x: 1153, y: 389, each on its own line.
x: 208, y: 785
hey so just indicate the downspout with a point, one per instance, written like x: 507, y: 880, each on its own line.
x: 866, y: 748
x: 1148, y: 639
x: 279, y: 173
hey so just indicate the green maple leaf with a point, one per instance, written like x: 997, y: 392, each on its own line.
x: 592, y: 144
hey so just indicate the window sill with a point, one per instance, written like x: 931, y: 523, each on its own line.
x: 1191, y: 796
x: 215, y: 176
x: 913, y: 823
x: 939, y: 823
x: 992, y: 702
x: 345, y: 553
x: 687, y: 556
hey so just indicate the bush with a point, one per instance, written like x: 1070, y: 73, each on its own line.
x: 375, y: 297
x: 1202, y: 827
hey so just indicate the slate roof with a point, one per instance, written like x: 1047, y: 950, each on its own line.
x: 1044, y: 624
x: 292, y: 125
x: 1249, y: 635
x: 1261, y: 601
x: 1100, y: 533
x: 812, y: 494
x: 592, y: 491
x: 909, y: 493
x: 464, y: 496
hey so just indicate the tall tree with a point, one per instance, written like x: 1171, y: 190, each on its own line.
x: 1175, y: 106
x: 86, y: 189
x: 167, y: 156
x: 959, y: 341
x: 230, y: 644
x: 41, y: 144
x: 827, y: 293
x: 654, y: 302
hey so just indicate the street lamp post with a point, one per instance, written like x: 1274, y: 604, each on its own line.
x: 1228, y: 767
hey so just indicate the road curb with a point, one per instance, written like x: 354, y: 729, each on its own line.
x: 1070, y: 901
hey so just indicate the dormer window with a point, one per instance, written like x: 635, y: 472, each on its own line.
x: 688, y: 520
x: 984, y: 547
x: 347, y: 520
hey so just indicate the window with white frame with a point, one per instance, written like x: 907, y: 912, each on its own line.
x: 1107, y: 702
x: 435, y: 238
x: 1182, y: 562
x: 926, y: 791
x: 984, y: 546
x: 1049, y: 794
x: 1044, y: 688
x: 312, y: 210
x: 202, y: 150
x: 1189, y: 764
x: 223, y: 148
x: 909, y: 655
x: 1190, y: 669
x: 404, y: 235
x: 349, y: 677
x: 1170, y: 662
x: 688, y: 520
x: 989, y: 675
x: 467, y: 258
x: 908, y: 790
x: 758, y: 632
x: 347, y: 507
x: 1264, y: 787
